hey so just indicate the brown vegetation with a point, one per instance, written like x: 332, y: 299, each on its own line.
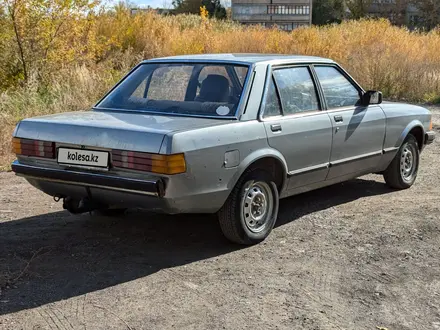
x: 64, y: 56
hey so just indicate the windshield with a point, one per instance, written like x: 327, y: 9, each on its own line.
x: 206, y: 89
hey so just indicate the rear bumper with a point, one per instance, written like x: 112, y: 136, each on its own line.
x: 102, y: 181
x: 429, y: 137
x: 122, y: 192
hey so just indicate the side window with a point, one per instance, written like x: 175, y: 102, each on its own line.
x: 169, y: 83
x: 338, y: 90
x: 297, y: 90
x: 272, y: 107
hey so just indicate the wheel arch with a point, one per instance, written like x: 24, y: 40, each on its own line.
x: 416, y: 129
x: 265, y: 159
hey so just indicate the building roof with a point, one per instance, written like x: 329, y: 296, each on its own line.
x: 243, y: 58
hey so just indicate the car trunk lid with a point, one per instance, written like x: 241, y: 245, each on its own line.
x: 110, y: 129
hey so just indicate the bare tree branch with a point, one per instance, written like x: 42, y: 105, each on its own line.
x: 13, y: 10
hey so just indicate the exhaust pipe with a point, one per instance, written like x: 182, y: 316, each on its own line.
x: 83, y: 205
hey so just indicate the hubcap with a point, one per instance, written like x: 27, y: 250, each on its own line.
x: 257, y: 205
x: 407, y: 163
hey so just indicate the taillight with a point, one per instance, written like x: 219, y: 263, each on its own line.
x: 34, y: 148
x: 162, y: 164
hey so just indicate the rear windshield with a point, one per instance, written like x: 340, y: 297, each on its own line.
x: 189, y: 89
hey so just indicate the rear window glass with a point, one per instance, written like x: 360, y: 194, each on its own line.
x: 169, y: 83
x: 191, y: 88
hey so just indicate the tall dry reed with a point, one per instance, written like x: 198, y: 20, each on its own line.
x: 404, y: 65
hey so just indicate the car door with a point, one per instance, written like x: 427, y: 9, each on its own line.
x: 295, y: 124
x: 358, y: 131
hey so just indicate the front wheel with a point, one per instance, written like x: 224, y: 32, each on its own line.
x: 402, y: 171
x: 251, y: 210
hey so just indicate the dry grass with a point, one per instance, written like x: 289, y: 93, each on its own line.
x: 404, y: 65
x: 72, y: 90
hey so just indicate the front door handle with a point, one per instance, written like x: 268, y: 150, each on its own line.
x: 338, y: 119
x: 275, y: 127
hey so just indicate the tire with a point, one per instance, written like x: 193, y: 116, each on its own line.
x: 109, y: 212
x: 251, y: 210
x: 402, y: 171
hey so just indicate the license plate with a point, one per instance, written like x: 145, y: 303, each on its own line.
x: 88, y: 158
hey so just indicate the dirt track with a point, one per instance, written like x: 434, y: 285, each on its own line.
x: 353, y: 256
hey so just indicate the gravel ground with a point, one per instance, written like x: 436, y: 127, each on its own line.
x: 353, y: 256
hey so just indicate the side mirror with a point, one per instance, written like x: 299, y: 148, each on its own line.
x: 371, y: 97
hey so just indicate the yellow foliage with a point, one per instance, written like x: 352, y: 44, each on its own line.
x: 404, y: 64
x: 204, y: 12
x: 74, y: 51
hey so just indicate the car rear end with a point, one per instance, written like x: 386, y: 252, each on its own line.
x: 121, y: 153
x: 98, y: 159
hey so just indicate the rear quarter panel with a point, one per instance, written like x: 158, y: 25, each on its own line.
x: 207, y: 176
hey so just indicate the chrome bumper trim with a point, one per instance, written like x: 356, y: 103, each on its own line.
x: 154, y: 188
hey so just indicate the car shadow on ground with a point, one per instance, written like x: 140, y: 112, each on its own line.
x: 55, y: 256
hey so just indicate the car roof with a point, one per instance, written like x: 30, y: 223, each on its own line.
x: 243, y: 58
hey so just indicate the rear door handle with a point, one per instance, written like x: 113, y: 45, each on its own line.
x: 275, y: 127
x: 338, y: 119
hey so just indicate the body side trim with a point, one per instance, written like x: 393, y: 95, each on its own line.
x: 356, y: 158
x: 308, y: 169
x: 391, y: 149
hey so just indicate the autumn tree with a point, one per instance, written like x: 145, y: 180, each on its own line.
x: 429, y: 12
x: 187, y: 6
x: 395, y: 11
x: 327, y: 11
x: 358, y: 8
x: 47, y: 34
x: 10, y: 68
x: 214, y: 7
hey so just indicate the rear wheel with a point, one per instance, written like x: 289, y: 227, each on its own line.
x: 402, y: 172
x: 250, y: 212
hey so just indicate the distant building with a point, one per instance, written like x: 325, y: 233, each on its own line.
x: 285, y: 14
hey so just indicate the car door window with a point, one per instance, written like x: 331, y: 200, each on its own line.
x: 338, y: 90
x: 272, y: 105
x: 297, y: 90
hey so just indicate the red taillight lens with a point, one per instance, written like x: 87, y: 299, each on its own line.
x: 163, y: 164
x: 36, y: 148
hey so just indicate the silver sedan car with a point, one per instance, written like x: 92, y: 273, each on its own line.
x: 225, y: 133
